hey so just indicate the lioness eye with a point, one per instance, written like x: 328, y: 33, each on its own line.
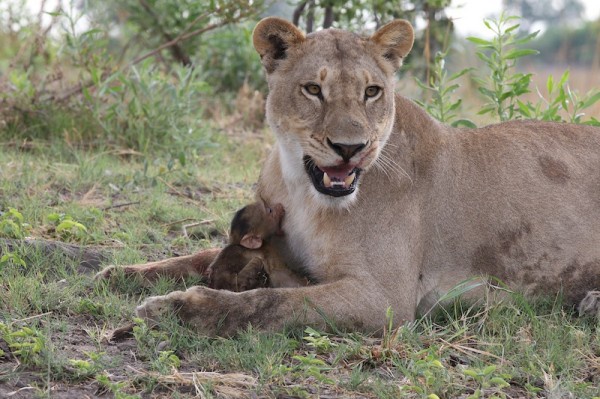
x: 372, y: 91
x: 313, y: 89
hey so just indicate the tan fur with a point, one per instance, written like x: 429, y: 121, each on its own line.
x: 434, y: 206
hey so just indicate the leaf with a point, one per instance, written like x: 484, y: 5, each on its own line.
x: 591, y: 101
x: 524, y: 109
x: 471, y: 373
x: 499, y: 382
x: 511, y: 28
x: 484, y: 58
x: 460, y: 73
x: 489, y: 370
x: 450, y: 89
x: 518, y: 53
x: 478, y: 41
x: 486, y: 110
x: 526, y: 38
x: 550, y: 84
x: 464, y: 123
x: 564, y: 78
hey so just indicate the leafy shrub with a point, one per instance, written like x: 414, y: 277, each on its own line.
x: 504, y: 87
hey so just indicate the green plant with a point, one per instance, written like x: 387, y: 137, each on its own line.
x: 116, y: 388
x: 67, y: 227
x: 427, y: 375
x: 166, y: 361
x: 310, y: 365
x: 441, y: 87
x: 503, y: 86
x: 86, y: 368
x: 12, y: 224
x: 28, y: 344
x: 561, y: 100
x: 317, y: 340
x: 11, y: 259
x: 488, y: 381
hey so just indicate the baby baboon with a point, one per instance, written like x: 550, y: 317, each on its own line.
x: 250, y: 260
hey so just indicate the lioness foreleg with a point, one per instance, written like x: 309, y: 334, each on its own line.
x: 344, y: 304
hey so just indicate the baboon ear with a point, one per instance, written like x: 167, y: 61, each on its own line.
x: 272, y: 38
x: 395, y: 39
x: 251, y: 241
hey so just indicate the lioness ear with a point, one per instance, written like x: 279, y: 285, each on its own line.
x: 396, y: 39
x: 251, y: 241
x: 272, y: 37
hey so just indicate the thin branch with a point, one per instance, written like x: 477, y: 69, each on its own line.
x: 329, y: 17
x: 120, y: 205
x: 182, y: 37
x: 298, y: 12
x: 176, y: 50
x: 310, y: 16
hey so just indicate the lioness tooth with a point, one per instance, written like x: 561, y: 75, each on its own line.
x: 349, y: 179
x: 326, y: 180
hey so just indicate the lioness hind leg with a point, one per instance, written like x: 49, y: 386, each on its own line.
x: 590, y: 305
x: 180, y: 267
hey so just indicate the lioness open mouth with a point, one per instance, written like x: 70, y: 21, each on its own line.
x: 336, y: 181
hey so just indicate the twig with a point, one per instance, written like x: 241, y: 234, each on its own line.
x: 177, y: 222
x: 37, y: 316
x: 120, y: 205
x: 184, y: 36
x: 187, y: 226
x: 176, y: 50
x: 467, y: 349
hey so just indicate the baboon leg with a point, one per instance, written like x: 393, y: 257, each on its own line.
x: 180, y: 267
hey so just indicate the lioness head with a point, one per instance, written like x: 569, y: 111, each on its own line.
x: 331, y: 101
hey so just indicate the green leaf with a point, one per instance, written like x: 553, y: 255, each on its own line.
x: 591, y: 101
x: 464, y: 123
x: 471, y: 373
x: 524, y: 108
x: 510, y: 29
x: 526, y: 38
x: 499, y: 382
x: 518, y: 53
x: 486, y: 110
x: 564, y: 78
x: 478, y: 41
x: 550, y: 84
x: 460, y: 73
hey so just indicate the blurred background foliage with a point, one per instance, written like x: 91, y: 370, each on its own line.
x: 145, y: 75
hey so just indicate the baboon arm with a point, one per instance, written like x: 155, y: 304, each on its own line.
x: 282, y: 277
x: 251, y: 269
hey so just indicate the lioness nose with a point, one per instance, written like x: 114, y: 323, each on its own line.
x: 346, y: 151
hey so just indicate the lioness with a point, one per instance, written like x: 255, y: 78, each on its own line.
x: 386, y: 207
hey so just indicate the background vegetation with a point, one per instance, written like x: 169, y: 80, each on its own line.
x: 134, y: 128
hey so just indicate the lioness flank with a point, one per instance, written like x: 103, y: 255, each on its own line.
x: 386, y: 207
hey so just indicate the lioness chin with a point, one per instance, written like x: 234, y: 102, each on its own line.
x: 387, y: 207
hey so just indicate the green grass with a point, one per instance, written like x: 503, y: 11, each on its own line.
x: 53, y: 319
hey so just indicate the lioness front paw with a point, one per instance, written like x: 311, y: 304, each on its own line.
x: 590, y: 305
